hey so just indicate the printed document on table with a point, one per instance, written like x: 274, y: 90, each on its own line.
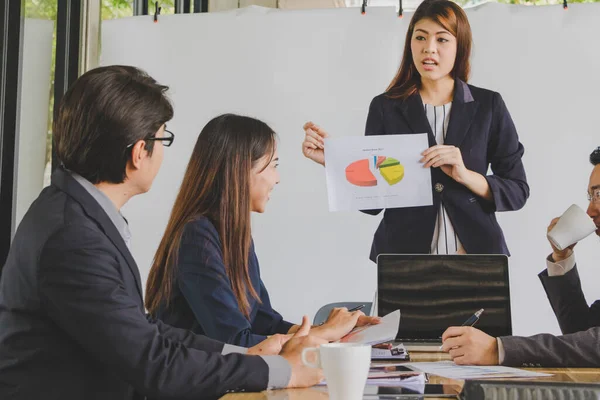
x: 385, y: 331
x: 449, y: 369
x: 370, y: 172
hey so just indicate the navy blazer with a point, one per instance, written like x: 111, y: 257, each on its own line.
x: 481, y: 127
x: 72, y: 319
x: 203, y: 299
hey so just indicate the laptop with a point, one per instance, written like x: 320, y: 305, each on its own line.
x: 435, y: 291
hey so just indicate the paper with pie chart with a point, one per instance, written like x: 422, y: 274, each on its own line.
x: 371, y: 172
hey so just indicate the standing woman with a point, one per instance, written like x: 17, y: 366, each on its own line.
x: 469, y: 129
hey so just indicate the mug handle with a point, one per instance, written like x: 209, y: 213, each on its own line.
x: 308, y: 363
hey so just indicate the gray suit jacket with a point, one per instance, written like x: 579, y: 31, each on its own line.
x: 72, y: 321
x: 579, y: 346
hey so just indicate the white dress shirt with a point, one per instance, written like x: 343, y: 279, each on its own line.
x: 445, y: 240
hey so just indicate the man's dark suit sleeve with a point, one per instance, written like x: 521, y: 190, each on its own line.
x: 581, y: 349
x: 82, y: 291
x: 508, y: 184
x: 568, y: 302
x: 186, y: 337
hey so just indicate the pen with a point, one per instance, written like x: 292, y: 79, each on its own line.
x: 357, y: 308
x: 473, y: 318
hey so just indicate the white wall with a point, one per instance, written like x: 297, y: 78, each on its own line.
x: 286, y: 67
x: 33, y: 122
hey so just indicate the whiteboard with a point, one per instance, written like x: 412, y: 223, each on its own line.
x: 287, y: 67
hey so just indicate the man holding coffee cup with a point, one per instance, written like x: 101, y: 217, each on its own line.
x: 579, y: 346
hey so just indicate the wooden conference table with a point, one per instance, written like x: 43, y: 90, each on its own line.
x: 581, y: 375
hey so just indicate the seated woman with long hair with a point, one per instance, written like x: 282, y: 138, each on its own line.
x: 205, y: 276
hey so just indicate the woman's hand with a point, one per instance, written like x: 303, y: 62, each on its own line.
x: 340, y: 322
x: 313, y: 145
x: 449, y: 159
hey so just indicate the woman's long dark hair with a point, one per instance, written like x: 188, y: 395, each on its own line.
x: 452, y: 17
x: 216, y: 185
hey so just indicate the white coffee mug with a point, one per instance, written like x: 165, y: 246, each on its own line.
x: 571, y: 227
x: 345, y: 365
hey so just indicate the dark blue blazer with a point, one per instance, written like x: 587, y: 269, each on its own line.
x: 481, y: 127
x: 203, y: 299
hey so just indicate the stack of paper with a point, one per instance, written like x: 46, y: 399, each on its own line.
x: 407, y: 380
x: 411, y: 380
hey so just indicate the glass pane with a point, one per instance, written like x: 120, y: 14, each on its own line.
x: 37, y: 100
x: 112, y: 9
x: 167, y: 7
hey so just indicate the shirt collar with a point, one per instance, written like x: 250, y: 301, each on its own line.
x: 107, y: 205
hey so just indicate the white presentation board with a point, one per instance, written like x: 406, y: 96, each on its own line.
x: 287, y: 67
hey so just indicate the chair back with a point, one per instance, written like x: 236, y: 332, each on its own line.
x: 323, y: 313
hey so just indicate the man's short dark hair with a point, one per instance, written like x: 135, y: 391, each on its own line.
x: 595, y: 156
x: 103, y: 112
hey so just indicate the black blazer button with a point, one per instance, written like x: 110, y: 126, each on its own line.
x: 439, y: 187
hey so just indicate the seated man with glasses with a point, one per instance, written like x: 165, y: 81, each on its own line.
x: 579, y: 346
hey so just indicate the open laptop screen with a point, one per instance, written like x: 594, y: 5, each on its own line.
x: 434, y: 292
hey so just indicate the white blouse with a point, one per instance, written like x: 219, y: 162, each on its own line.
x: 445, y: 240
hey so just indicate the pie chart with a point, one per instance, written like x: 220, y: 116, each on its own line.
x: 360, y: 172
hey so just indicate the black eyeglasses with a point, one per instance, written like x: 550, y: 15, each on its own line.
x: 167, y: 139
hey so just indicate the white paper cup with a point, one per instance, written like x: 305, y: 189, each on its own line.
x: 571, y: 227
x: 346, y: 367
